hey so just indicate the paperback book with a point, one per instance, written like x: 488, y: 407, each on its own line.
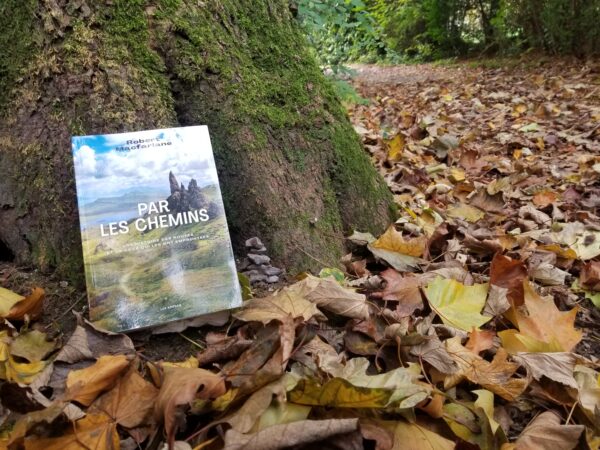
x: 156, y: 247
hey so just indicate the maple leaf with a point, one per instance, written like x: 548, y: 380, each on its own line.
x: 401, y: 254
x: 542, y: 327
x: 405, y: 290
x: 287, y: 302
x: 97, y: 431
x: 458, y: 305
x: 495, y: 376
x: 85, y: 385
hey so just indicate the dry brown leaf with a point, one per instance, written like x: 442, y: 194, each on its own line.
x: 480, y: 340
x: 496, y: 376
x: 327, y: 294
x: 509, y: 274
x: 180, y: 387
x: 546, y: 432
x: 95, y: 431
x: 130, y: 402
x: 544, y: 198
x: 287, y: 435
x: 405, y: 290
x: 83, y: 386
x: 557, y: 366
x: 590, y: 276
x: 287, y: 302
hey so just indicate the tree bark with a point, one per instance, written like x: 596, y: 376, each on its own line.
x: 291, y: 167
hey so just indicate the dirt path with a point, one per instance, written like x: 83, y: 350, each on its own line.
x: 372, y: 74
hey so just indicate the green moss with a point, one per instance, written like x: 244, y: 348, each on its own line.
x: 17, y: 42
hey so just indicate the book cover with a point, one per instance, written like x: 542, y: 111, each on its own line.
x: 156, y: 247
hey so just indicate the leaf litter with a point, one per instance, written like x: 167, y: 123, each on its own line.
x: 470, y: 323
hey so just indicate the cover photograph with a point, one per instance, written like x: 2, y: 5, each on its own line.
x: 156, y: 247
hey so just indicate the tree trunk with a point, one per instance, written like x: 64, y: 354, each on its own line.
x: 291, y: 167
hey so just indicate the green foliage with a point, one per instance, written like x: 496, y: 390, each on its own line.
x: 350, y: 30
x: 341, y: 31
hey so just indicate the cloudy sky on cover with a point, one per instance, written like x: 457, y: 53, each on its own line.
x: 102, y: 172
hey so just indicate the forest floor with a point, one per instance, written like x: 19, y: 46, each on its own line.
x: 472, y: 322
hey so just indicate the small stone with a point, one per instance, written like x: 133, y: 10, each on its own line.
x: 255, y: 276
x: 273, y: 279
x: 63, y: 284
x: 270, y: 271
x: 259, y: 259
x: 243, y: 265
x: 254, y: 242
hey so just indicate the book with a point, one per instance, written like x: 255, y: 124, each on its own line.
x: 156, y: 246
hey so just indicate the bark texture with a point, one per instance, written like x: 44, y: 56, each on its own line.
x: 291, y: 167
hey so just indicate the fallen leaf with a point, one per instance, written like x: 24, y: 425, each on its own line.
x: 287, y: 302
x: 544, y: 198
x: 289, y: 434
x: 407, y: 435
x: 179, y: 387
x: 8, y: 299
x: 509, y: 274
x: 588, y: 395
x: 465, y: 212
x: 546, y: 432
x: 542, y: 327
x: 340, y: 393
x: 83, y: 386
x: 32, y: 345
x: 89, y: 342
x: 16, y: 307
x: 557, y: 366
x: 485, y: 401
x: 244, y: 418
x: 589, y: 277
x: 13, y: 370
x: 458, y: 305
x: 95, y: 431
x: 327, y: 294
x: 480, y: 340
x: 496, y: 376
x: 401, y: 254
x: 130, y: 403
x: 405, y: 290
x: 395, y: 147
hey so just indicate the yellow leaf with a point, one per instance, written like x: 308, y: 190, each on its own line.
x: 7, y: 300
x: 95, y: 431
x: 30, y: 306
x: 338, y: 393
x: 85, y: 385
x: 394, y: 241
x: 458, y: 305
x: 485, y: 401
x: 413, y: 436
x: 465, y: 212
x: 457, y: 175
x: 542, y: 327
x: 395, y: 147
x: 13, y: 371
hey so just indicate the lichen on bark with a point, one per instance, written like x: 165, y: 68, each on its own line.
x: 291, y: 168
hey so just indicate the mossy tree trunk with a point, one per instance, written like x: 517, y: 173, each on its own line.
x: 291, y: 168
